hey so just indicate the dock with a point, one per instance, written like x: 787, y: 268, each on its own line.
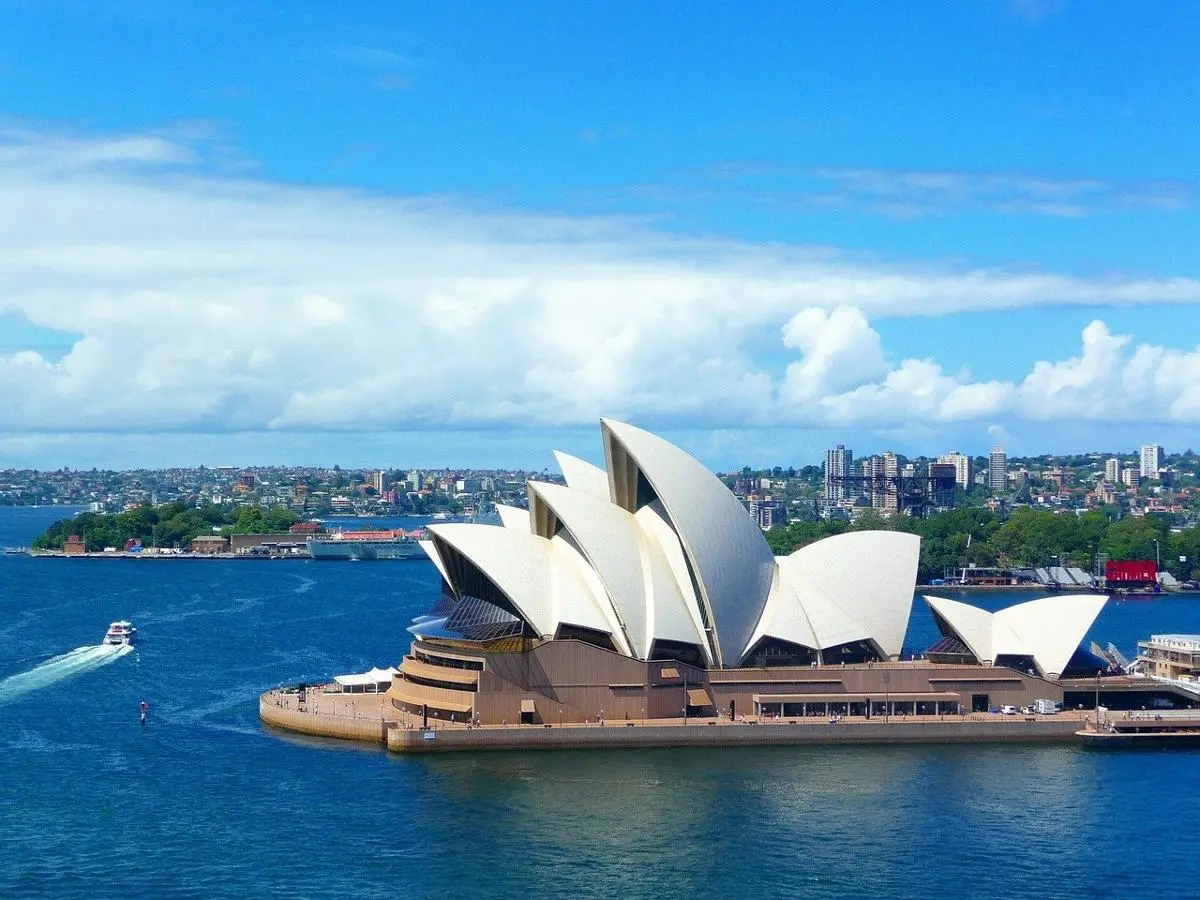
x: 1144, y: 730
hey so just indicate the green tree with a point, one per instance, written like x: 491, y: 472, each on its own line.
x: 1133, y: 538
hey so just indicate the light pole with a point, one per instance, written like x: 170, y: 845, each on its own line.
x: 1097, y: 701
x: 1157, y: 561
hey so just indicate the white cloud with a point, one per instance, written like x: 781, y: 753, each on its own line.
x: 838, y: 349
x: 1105, y: 382
x: 207, y: 303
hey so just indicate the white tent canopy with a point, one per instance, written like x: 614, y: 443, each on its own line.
x: 378, y: 678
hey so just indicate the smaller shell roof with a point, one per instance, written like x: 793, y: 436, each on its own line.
x: 1048, y: 629
x: 581, y: 475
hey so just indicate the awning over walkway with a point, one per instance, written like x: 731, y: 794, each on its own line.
x: 927, y: 697
x: 375, y: 676
x: 528, y: 707
x: 698, y: 697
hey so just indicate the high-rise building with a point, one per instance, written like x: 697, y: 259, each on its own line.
x: 414, y: 480
x: 1151, y: 460
x: 891, y: 488
x: 964, y: 475
x: 1112, y: 471
x: 379, y: 482
x: 838, y: 462
x: 998, y: 471
x: 874, y: 473
x: 1129, y: 476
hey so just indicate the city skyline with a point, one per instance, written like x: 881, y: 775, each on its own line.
x: 267, y: 241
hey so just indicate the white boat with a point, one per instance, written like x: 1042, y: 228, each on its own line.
x: 120, y: 633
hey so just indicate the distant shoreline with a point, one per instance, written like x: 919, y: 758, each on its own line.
x: 1027, y: 588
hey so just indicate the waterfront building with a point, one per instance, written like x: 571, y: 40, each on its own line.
x: 210, y: 544
x: 1112, y: 470
x: 1174, y: 656
x: 645, y: 590
x: 1151, y: 460
x: 997, y: 471
x: 964, y: 474
x: 838, y: 464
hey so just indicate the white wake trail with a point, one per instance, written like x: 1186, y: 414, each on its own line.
x: 78, y: 661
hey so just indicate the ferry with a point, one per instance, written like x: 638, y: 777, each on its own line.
x: 120, y: 633
x: 396, y: 544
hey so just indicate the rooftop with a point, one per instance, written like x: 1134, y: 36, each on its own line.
x: 1178, y: 641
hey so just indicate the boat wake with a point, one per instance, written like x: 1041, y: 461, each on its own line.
x: 78, y: 661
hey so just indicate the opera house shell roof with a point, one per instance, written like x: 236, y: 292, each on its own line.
x: 1046, y: 631
x: 653, y: 557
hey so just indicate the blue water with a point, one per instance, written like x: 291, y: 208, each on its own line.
x: 203, y: 802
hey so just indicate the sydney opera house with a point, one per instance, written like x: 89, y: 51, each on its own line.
x: 645, y: 591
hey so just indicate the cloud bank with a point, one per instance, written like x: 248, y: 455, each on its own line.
x: 218, y: 304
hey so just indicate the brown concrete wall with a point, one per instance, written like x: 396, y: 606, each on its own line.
x: 323, y: 725
x: 1002, y: 686
x: 572, y: 682
x: 620, y: 736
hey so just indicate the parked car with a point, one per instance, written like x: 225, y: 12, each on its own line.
x: 1008, y: 710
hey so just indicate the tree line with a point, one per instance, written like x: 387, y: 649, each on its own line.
x: 166, y: 525
x: 967, y: 536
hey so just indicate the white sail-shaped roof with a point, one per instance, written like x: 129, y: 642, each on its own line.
x: 857, y: 586
x: 657, y: 549
x: 672, y: 622
x: 581, y: 475
x: 542, y: 585
x: 1049, y: 629
x: 784, y: 617
x: 431, y: 552
x: 724, y: 547
x: 573, y: 565
x: 513, y: 517
x: 634, y: 572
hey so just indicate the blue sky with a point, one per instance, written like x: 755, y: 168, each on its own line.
x: 460, y: 233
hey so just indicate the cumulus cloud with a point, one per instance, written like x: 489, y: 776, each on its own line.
x: 211, y: 303
x: 838, y: 349
x: 1104, y: 382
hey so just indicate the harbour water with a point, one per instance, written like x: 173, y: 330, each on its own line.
x: 204, y: 802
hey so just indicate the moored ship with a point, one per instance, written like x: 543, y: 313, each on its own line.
x: 397, y: 544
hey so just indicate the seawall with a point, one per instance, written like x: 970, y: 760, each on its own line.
x: 527, y: 737
x: 351, y: 728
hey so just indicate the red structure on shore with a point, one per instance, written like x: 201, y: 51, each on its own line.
x: 1131, y: 573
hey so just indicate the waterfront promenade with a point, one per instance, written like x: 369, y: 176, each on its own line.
x: 372, y: 717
